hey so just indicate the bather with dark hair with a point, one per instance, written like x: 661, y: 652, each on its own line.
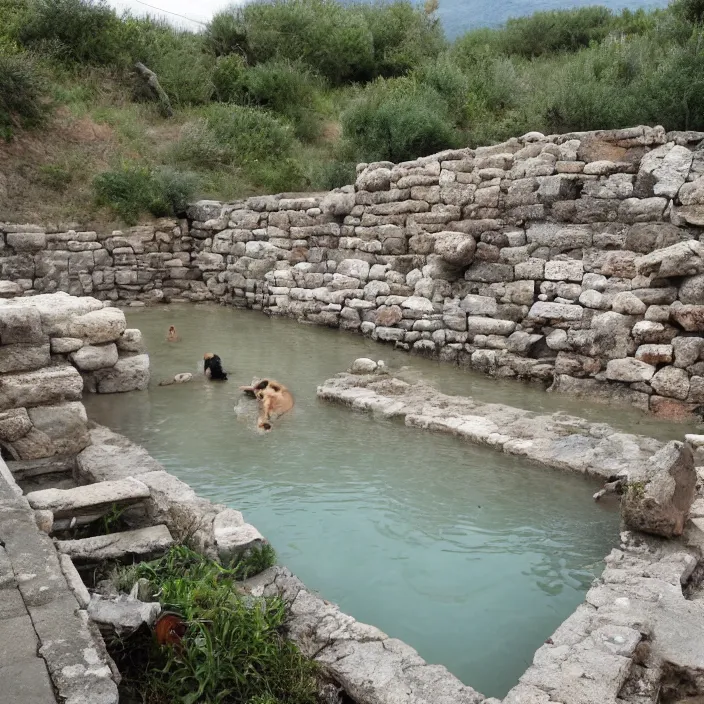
x: 212, y: 367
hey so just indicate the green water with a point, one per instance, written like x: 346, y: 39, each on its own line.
x: 470, y: 556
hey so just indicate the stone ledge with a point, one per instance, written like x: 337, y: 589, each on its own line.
x: 557, y: 440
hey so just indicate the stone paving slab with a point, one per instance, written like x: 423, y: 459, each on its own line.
x: 26, y: 683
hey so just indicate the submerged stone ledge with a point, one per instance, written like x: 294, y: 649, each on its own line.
x: 556, y: 440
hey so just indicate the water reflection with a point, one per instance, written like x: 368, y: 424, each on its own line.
x: 471, y: 556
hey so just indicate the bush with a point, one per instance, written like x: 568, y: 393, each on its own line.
x: 228, y: 78
x: 398, y: 120
x: 555, y: 31
x: 404, y: 36
x: 179, y: 59
x: 88, y: 31
x: 246, y: 138
x: 449, y: 81
x: 333, y: 40
x: 287, y: 89
x: 21, y: 93
x: 226, y: 35
x: 133, y: 190
x: 234, y: 648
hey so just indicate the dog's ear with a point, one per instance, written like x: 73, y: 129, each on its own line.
x: 275, y: 387
x: 262, y: 385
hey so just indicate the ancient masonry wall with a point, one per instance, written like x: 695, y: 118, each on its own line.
x: 52, y: 348
x: 572, y: 259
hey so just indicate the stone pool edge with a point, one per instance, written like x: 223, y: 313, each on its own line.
x: 556, y: 440
x: 371, y: 667
x: 640, y: 621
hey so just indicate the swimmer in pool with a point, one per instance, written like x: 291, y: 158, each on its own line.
x: 173, y: 335
x: 212, y: 367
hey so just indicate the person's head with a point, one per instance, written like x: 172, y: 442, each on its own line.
x: 172, y: 329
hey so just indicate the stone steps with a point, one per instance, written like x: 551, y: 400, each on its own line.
x: 87, y: 503
x: 143, y: 544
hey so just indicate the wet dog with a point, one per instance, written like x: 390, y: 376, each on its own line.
x: 212, y: 367
x: 274, y: 400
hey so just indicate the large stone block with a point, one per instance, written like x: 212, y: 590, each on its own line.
x: 45, y: 387
x: 19, y: 358
x: 104, y: 325
x: 20, y: 324
x: 568, y: 270
x: 629, y: 370
x: 129, y: 374
x: 681, y: 259
x: 66, y: 425
x: 658, y: 500
x: 92, y: 357
x: 455, y: 248
x: 556, y: 311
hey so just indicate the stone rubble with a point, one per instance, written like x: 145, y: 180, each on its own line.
x: 558, y: 258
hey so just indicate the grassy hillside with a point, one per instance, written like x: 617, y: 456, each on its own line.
x: 290, y: 94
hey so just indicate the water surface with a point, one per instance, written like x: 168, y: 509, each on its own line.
x: 472, y: 557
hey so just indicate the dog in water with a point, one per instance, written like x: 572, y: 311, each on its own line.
x: 173, y: 335
x: 212, y: 367
x: 274, y: 400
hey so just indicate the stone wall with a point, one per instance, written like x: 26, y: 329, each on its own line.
x: 573, y: 259
x: 52, y: 348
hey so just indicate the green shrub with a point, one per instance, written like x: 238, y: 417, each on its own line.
x: 557, y: 30
x: 690, y: 10
x: 449, y: 81
x: 403, y: 35
x: 330, y: 38
x: 398, y: 120
x: 287, y: 89
x: 228, y: 78
x: 133, y: 190
x: 22, y: 89
x: 246, y: 138
x: 234, y: 648
x: 226, y: 35
x: 179, y: 59
x: 87, y: 31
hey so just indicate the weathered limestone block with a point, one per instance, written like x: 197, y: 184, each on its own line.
x: 556, y: 311
x: 22, y: 357
x: 26, y: 241
x: 387, y: 316
x: 671, y: 382
x: 45, y: 387
x: 233, y: 536
x: 456, y: 248
x: 686, y: 350
x: 92, y: 357
x: 129, y: 374
x: 363, y: 365
x: 122, y: 614
x: 696, y: 389
x: 655, y: 354
x: 65, y: 345
x: 104, y: 325
x: 131, y: 341
x: 692, y: 290
x: 568, y: 270
x: 142, y: 543
x: 477, y: 325
x: 374, y: 179
x: 357, y: 269
x: 66, y: 426
x: 658, y: 500
x: 489, y: 273
x: 20, y: 324
x: 681, y: 259
x: 628, y: 304
x: 14, y: 424
x: 651, y: 332
x: 689, y: 317
x: 419, y: 305
x: 629, y: 370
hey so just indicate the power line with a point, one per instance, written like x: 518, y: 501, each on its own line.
x: 168, y: 12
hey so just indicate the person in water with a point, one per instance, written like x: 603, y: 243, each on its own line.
x: 173, y: 335
x: 212, y: 367
x: 274, y: 400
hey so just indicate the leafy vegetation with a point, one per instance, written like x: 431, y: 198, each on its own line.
x: 233, y: 649
x: 289, y: 94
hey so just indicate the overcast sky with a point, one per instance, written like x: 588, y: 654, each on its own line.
x: 201, y: 11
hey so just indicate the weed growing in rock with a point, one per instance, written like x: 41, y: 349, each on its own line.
x: 234, y: 649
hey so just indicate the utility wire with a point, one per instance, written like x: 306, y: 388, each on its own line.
x: 168, y: 12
